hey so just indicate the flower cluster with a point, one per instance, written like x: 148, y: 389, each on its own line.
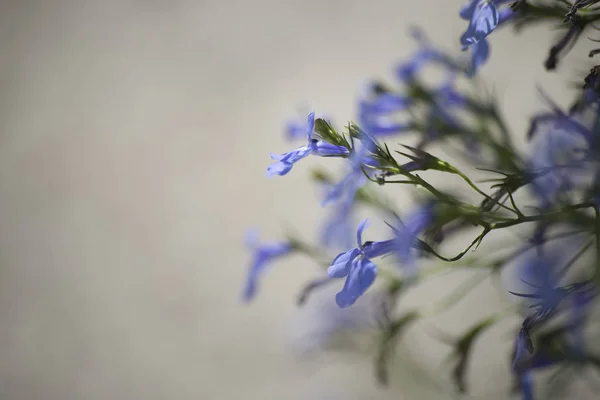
x: 559, y: 263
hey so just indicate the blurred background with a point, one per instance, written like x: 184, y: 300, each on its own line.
x: 134, y: 139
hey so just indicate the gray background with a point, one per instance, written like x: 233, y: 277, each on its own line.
x: 134, y: 138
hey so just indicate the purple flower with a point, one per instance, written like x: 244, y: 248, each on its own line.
x: 337, y: 230
x: 263, y: 255
x: 356, y: 266
x: 360, y: 277
x: 540, y: 271
x: 427, y: 54
x: 484, y: 17
x: 286, y: 161
x: 557, y: 156
x: 295, y: 128
x: 377, y: 112
x: 407, y: 235
x: 543, y: 272
x: 480, y: 52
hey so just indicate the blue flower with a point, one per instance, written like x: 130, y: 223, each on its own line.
x: 556, y: 158
x: 526, y: 385
x: 286, y: 161
x: 337, y: 230
x: 446, y: 100
x: 343, y: 194
x: 360, y: 277
x: 407, y: 235
x: 484, y: 17
x: 346, y: 189
x: 295, y: 128
x: 377, y: 110
x: 543, y: 272
x: 540, y: 272
x: 427, y: 54
x: 480, y: 52
x: 356, y: 266
x: 263, y: 255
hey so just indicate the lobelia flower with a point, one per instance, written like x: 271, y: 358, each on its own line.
x: 483, y: 17
x: 295, y: 128
x: 338, y: 227
x: 263, y: 256
x: 427, y: 54
x: 376, y: 111
x: 559, y: 153
x: 337, y: 230
x: 446, y: 100
x: 542, y: 271
x: 356, y: 265
x: 286, y: 161
x: 407, y: 235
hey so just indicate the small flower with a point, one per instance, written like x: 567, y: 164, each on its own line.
x: 295, y: 128
x: 263, y: 255
x: 337, y: 230
x: 484, y: 17
x: 356, y: 266
x: 286, y: 161
x: 377, y: 111
x: 360, y: 277
x: 407, y: 235
x: 480, y: 53
x: 543, y: 272
x: 557, y: 157
x: 427, y: 54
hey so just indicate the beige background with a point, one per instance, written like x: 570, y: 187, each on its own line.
x: 134, y: 138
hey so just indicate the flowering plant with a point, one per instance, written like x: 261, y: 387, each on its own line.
x: 550, y: 193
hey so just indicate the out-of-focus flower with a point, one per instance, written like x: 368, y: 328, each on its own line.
x: 356, y: 265
x: 263, y: 255
x: 337, y: 232
x: 407, y: 235
x: 377, y: 112
x: 558, y: 155
x: 483, y: 17
x: 286, y: 161
x: 295, y: 128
